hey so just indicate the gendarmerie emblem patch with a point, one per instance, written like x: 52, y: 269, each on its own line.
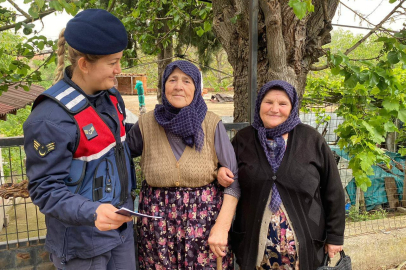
x: 90, y: 131
x: 42, y: 149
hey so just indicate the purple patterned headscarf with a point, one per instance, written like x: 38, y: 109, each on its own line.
x: 187, y: 121
x: 274, y: 154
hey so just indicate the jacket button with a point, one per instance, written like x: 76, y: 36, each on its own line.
x: 70, y: 179
x: 177, y: 183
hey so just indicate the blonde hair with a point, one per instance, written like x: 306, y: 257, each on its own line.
x: 73, y: 56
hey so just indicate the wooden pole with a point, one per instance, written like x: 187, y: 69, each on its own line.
x: 220, y: 263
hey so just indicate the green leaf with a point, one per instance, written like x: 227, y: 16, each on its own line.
x: 33, y: 11
x: 164, y: 2
x: 382, y: 85
x: 351, y: 81
x: 40, y: 3
x: 402, y: 151
x: 390, y: 127
x: 374, y: 79
x: 382, y: 39
x: 207, y: 26
x: 393, y: 57
x: 355, y: 139
x: 402, y: 115
x: 375, y: 135
x: 402, y: 56
x: 200, y: 32
x: 136, y: 13
x: 299, y: 8
x: 392, y: 1
x: 56, y: 5
x: 335, y: 70
x: 367, y: 159
x: 391, y: 105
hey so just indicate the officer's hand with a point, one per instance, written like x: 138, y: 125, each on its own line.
x: 107, y: 219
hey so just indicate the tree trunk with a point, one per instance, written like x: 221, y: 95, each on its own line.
x: 165, y: 54
x: 287, y: 46
x: 164, y: 58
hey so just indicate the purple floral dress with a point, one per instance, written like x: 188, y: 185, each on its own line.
x: 280, y: 251
x: 179, y: 240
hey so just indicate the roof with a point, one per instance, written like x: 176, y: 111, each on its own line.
x: 15, y: 99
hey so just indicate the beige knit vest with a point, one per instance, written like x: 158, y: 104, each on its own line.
x: 159, y: 165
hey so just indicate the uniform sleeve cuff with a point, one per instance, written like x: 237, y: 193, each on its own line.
x: 87, y: 213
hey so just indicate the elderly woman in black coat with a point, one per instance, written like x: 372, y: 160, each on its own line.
x: 291, y: 209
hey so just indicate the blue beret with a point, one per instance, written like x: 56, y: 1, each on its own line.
x: 97, y: 32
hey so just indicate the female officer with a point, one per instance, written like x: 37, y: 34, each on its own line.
x: 78, y: 165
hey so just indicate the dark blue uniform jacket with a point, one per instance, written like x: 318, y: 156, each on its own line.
x: 70, y: 213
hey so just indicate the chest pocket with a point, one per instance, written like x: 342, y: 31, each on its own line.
x: 104, y: 180
x: 76, y: 176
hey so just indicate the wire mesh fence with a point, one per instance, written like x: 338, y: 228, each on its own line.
x: 21, y: 223
x: 379, y: 209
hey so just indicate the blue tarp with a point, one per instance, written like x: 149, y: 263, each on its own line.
x: 376, y: 193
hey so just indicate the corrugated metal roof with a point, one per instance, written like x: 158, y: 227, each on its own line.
x: 15, y: 99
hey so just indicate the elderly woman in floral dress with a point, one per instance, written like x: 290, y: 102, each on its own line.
x: 181, y: 146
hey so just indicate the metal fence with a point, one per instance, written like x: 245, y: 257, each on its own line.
x: 378, y: 209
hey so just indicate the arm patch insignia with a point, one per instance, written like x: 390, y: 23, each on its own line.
x: 42, y: 149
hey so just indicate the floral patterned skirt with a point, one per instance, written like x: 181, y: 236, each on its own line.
x: 179, y: 240
x: 280, y: 252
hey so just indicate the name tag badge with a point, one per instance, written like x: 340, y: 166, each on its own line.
x: 90, y: 132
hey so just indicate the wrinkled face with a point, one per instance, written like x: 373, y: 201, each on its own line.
x: 102, y: 73
x: 179, y: 89
x: 275, y: 108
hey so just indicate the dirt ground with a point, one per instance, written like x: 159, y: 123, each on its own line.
x: 221, y: 109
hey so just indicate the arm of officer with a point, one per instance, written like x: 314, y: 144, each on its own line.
x: 48, y: 148
x: 46, y: 169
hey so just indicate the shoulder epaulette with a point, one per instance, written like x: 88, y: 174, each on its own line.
x: 68, y: 97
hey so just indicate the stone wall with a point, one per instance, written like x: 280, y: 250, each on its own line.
x: 26, y: 255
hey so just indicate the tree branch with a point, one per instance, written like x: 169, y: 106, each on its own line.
x: 19, y: 9
x: 318, y: 68
x: 373, y: 30
x: 41, y: 15
x: 110, y: 8
x: 359, y: 15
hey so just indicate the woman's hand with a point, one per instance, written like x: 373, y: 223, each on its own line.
x: 218, y: 240
x: 332, y: 249
x: 107, y: 219
x: 225, y: 176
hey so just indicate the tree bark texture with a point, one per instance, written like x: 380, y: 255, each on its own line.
x: 164, y: 56
x: 287, y: 46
